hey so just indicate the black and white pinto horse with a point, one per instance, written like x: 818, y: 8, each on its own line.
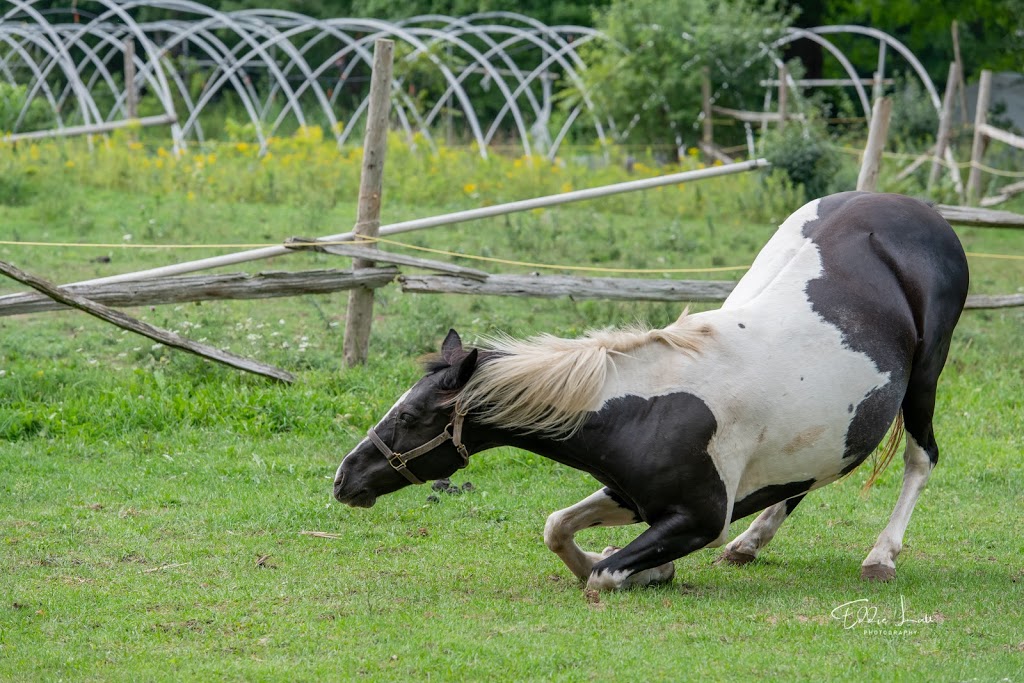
x: 843, y: 321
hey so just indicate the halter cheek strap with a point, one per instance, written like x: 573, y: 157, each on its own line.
x: 452, y: 432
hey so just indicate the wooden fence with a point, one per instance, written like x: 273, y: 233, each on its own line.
x: 168, y: 284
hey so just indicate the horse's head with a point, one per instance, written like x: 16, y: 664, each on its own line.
x: 419, y: 439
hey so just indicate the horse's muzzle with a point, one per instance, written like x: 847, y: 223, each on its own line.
x: 358, y: 499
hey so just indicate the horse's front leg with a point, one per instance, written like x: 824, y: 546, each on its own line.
x: 646, y: 560
x: 602, y: 508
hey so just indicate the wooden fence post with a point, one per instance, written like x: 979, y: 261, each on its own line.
x: 945, y: 123
x: 867, y: 180
x: 708, y: 137
x: 131, y: 95
x: 360, y: 301
x: 783, y: 96
x: 978, y: 147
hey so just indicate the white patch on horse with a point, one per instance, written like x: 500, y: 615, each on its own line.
x: 778, y: 378
x: 384, y: 419
x: 605, y: 580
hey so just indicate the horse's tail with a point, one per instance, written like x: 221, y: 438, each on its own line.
x: 892, y: 444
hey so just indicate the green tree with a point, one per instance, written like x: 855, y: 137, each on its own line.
x: 991, y: 31
x: 647, y: 76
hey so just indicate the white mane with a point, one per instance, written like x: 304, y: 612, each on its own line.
x: 547, y: 385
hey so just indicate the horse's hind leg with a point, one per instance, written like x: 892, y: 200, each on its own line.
x: 602, y: 508
x: 745, y: 547
x: 919, y: 459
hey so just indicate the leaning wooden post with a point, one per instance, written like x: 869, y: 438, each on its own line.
x: 131, y: 95
x: 708, y: 137
x: 783, y: 96
x: 360, y: 300
x: 978, y: 147
x: 945, y: 123
x: 872, y: 163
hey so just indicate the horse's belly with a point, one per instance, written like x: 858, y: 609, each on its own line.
x: 799, y: 454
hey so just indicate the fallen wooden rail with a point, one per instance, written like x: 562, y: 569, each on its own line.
x: 980, y: 218
x: 119, y: 319
x: 554, y: 286
x: 994, y: 300
x: 188, y: 288
x: 613, y: 289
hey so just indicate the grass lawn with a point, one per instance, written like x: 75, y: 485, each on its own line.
x: 152, y: 505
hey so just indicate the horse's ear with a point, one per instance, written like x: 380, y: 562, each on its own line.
x: 451, y: 347
x: 462, y: 370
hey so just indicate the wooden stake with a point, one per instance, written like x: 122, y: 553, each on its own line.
x: 360, y: 301
x: 708, y: 135
x: 783, y: 96
x: 978, y: 146
x: 130, y: 93
x: 126, y: 322
x: 945, y: 123
x: 867, y: 181
x: 955, y: 29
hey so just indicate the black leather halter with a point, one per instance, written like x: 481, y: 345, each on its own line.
x: 452, y: 432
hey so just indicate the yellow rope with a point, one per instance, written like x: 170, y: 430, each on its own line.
x: 1013, y: 257
x: 474, y: 257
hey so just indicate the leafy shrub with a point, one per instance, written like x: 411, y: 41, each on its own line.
x: 806, y: 156
x: 12, y: 102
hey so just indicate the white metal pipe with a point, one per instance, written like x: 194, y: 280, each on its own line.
x: 92, y: 128
x: 446, y: 219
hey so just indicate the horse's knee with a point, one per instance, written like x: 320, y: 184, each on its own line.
x: 555, y: 537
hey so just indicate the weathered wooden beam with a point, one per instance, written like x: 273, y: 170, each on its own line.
x: 994, y: 300
x: 359, y: 317
x: 978, y: 144
x: 980, y: 218
x: 755, y: 116
x: 379, y: 256
x: 1005, y: 193
x: 871, y: 166
x: 119, y: 319
x: 945, y: 124
x: 189, y: 288
x: 823, y: 82
x: 1003, y: 136
x: 556, y: 286
x: 716, y: 153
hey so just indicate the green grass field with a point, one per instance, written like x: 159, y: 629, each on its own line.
x: 152, y: 505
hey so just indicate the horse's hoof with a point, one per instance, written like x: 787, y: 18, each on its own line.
x: 609, y: 551
x: 735, y: 558
x: 877, y: 572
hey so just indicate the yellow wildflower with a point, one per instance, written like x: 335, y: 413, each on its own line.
x: 469, y: 188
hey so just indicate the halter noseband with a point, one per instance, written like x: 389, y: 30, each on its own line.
x: 452, y: 432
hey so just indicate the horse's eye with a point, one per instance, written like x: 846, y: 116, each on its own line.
x: 406, y: 418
